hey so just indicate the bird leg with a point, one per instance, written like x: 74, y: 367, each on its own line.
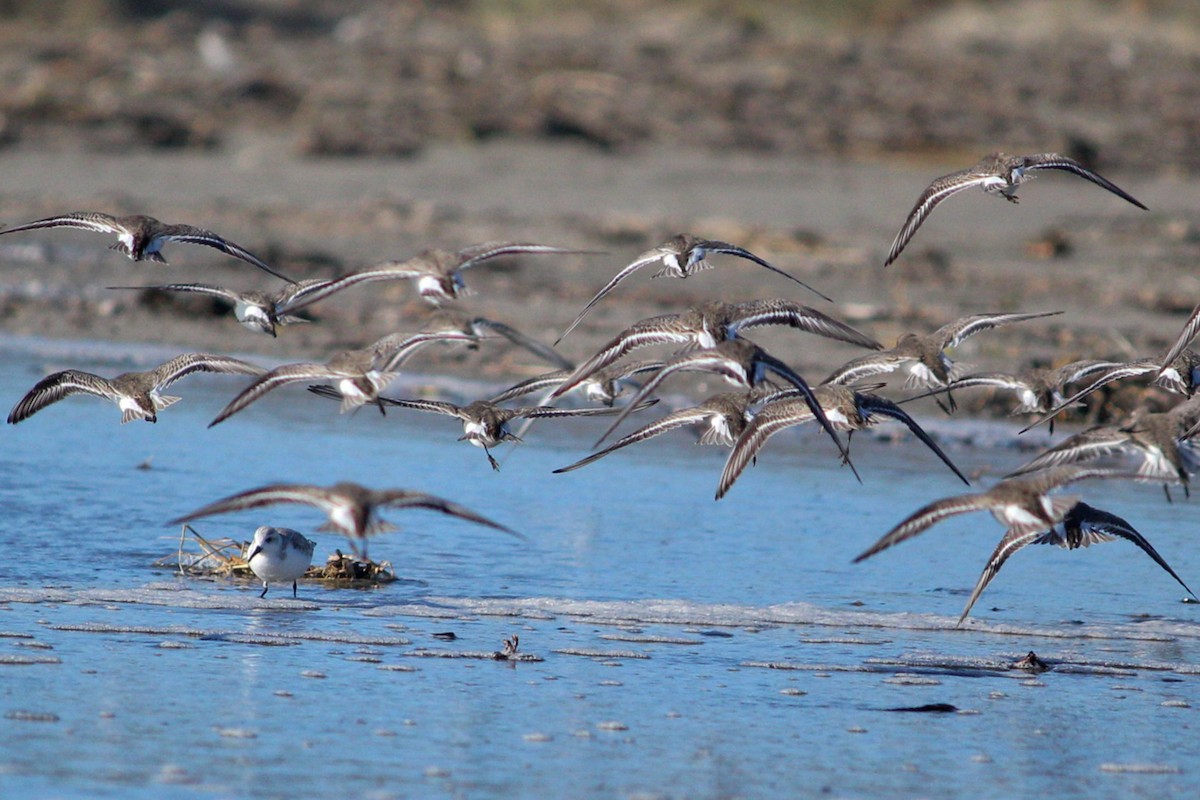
x: 293, y: 590
x: 264, y: 591
x: 492, y: 459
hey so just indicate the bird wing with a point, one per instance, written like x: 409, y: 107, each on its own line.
x: 866, y: 366
x: 1060, y: 162
x: 1115, y: 373
x: 873, y: 404
x: 87, y: 220
x: 482, y: 252
x: 741, y: 252
x: 195, y: 288
x: 649, y: 257
x: 770, y: 420
x: 531, y: 385
x: 193, y: 235
x: 676, y: 419
x: 542, y: 351
x: 663, y: 329
x: 55, y: 387
x: 936, y: 192
x: 1085, y: 446
x: 951, y: 335
x: 1091, y: 525
x: 401, y: 498
x: 265, y: 496
x: 794, y: 315
x: 166, y: 374
x: 281, y: 376
x: 925, y: 518
x: 1012, y: 541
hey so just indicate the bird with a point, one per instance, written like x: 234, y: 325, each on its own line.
x: 454, y: 321
x: 1161, y: 438
x: 710, y: 323
x: 1022, y: 504
x: 359, y: 374
x: 742, y: 363
x: 353, y: 509
x: 437, y: 273
x: 279, y: 554
x: 602, y: 386
x: 996, y: 173
x: 141, y: 237
x: 846, y: 409
x: 681, y: 256
x: 1082, y: 526
x: 259, y: 311
x: 723, y: 417
x: 137, y: 394
x: 1038, y: 389
x: 485, y: 424
x: 923, y: 355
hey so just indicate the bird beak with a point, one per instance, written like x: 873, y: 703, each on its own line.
x: 253, y: 553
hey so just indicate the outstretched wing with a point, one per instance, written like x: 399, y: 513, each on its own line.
x: 265, y: 496
x: 804, y: 318
x: 86, y: 220
x: 934, y: 194
x: 55, y: 387
x: 951, y: 335
x: 872, y: 405
x: 1060, y: 162
x: 649, y: 257
x: 925, y: 518
x: 166, y: 374
x: 676, y: 419
x: 288, y: 373
x: 741, y: 252
x: 1013, y: 541
x: 401, y: 498
x: 770, y: 420
x: 193, y: 235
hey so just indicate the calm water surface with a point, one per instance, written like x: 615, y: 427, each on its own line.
x: 689, y: 648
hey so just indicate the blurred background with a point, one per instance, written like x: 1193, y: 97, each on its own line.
x: 1116, y: 82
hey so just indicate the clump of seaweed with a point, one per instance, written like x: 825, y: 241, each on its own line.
x: 198, y: 557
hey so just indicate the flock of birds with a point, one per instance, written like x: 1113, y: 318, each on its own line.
x: 770, y: 395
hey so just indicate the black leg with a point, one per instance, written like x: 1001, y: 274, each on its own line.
x: 264, y: 591
x: 293, y: 590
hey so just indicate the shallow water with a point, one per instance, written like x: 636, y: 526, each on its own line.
x: 687, y: 647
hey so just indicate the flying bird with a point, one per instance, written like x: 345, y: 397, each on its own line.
x: 137, y: 394
x: 437, y: 273
x: 994, y: 174
x: 352, y: 509
x: 681, y: 256
x: 141, y: 237
x: 259, y: 311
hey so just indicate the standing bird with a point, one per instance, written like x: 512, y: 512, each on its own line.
x: 279, y: 554
x: 1022, y: 505
x: 995, y: 174
x: 1082, y: 526
x: 847, y: 410
x: 711, y: 323
x: 681, y: 256
x: 923, y: 356
x: 258, y: 311
x: 352, y: 509
x: 359, y: 374
x: 141, y: 237
x: 437, y: 273
x: 137, y: 394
